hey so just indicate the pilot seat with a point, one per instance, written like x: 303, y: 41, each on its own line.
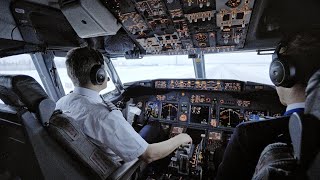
x: 39, y: 142
x: 299, y: 159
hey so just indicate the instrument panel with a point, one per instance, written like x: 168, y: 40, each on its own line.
x: 208, y: 111
x: 214, y: 85
x: 209, y: 103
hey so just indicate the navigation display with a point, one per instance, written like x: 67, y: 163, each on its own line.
x: 230, y: 117
x: 169, y: 111
x: 199, y: 114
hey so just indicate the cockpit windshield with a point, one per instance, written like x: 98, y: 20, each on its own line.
x: 244, y: 66
x: 154, y: 67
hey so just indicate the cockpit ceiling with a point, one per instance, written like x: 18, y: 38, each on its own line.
x: 184, y: 26
x: 158, y: 27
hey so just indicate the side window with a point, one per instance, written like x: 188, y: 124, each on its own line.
x: 19, y: 64
x: 66, y: 81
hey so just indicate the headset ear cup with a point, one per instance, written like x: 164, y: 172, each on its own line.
x: 282, y: 73
x: 277, y: 72
x: 97, y: 75
x: 101, y: 76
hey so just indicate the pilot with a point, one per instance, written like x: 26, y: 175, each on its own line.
x: 296, y: 58
x: 107, y: 129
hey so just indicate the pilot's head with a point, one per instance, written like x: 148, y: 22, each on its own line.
x: 293, y: 63
x: 85, y: 67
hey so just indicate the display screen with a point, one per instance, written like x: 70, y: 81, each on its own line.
x: 152, y: 109
x: 169, y: 111
x: 230, y: 117
x: 254, y: 115
x: 199, y: 114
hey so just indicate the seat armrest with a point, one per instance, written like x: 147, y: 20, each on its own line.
x: 126, y: 170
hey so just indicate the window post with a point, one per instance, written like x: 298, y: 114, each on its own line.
x: 48, y: 73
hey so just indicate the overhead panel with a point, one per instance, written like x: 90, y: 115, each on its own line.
x: 184, y: 26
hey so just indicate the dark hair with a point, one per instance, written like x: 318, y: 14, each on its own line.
x: 303, y: 49
x: 79, y: 62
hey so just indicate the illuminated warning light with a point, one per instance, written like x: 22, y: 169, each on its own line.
x: 183, y: 117
x: 213, y: 122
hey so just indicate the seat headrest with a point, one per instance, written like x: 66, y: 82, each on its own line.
x: 313, y: 95
x: 8, y: 96
x: 23, y: 90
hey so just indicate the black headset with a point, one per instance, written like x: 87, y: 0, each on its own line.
x: 282, y: 71
x: 97, y: 73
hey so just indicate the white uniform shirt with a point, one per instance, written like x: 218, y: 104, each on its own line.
x: 295, y: 106
x: 109, y: 130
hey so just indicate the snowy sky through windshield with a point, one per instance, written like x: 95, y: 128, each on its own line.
x: 245, y: 66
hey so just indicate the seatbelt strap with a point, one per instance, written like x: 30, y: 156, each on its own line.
x: 110, y: 105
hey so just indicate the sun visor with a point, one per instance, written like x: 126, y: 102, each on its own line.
x: 89, y: 18
x: 119, y: 43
